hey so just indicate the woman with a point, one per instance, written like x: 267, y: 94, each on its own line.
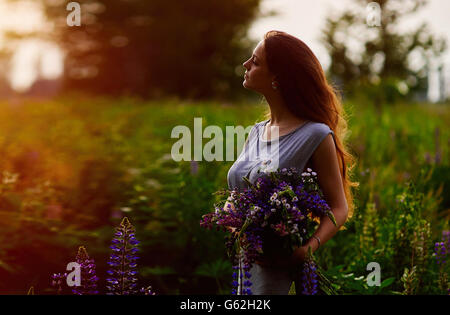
x: 309, y: 118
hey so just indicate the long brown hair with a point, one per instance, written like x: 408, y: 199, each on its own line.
x: 308, y: 95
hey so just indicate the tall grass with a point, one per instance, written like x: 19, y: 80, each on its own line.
x: 83, y: 164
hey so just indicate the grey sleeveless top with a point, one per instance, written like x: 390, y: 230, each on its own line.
x: 290, y: 150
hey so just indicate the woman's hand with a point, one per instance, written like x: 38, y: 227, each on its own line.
x: 232, y: 230
x: 296, y: 259
x: 225, y: 206
x: 229, y: 205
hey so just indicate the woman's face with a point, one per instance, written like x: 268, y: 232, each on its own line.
x: 257, y: 77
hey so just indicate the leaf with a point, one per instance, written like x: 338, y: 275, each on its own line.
x: 31, y: 291
x: 387, y: 282
x: 292, y: 289
x: 332, y: 218
x: 158, y: 271
x: 244, y: 227
x: 215, y: 269
x: 249, y: 183
x: 6, y: 267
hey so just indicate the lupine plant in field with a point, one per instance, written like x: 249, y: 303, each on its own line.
x: 412, y: 277
x: 57, y: 280
x: 410, y: 281
x: 441, y: 251
x: 123, y: 280
x: 420, y: 248
x: 123, y: 272
x: 147, y: 291
x: 446, y: 239
x: 88, y: 276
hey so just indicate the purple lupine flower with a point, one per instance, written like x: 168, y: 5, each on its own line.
x: 244, y: 288
x: 57, y: 280
x: 123, y: 280
x: 246, y: 283
x: 440, y: 250
x: 88, y: 276
x: 309, y: 278
x: 147, y: 291
x: 194, y: 167
x: 446, y: 240
x: 235, y: 283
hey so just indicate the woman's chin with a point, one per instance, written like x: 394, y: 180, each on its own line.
x: 247, y: 86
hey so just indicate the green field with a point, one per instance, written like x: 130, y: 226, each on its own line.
x: 83, y: 164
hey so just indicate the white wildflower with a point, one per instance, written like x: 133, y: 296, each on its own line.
x: 9, y: 178
x: 134, y: 171
x: 151, y: 182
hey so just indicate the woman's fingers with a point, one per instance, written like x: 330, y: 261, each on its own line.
x: 231, y: 229
x: 228, y: 205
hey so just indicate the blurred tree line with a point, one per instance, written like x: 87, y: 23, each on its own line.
x: 189, y: 48
x: 388, y: 64
x: 195, y: 48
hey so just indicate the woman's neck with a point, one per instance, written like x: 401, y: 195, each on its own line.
x: 280, y: 115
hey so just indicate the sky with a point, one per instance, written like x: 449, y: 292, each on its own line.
x: 27, y: 17
x: 305, y: 19
x: 301, y: 18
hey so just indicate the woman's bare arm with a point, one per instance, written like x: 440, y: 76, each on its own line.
x: 325, y: 164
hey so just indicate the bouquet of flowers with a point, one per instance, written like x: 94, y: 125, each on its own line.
x: 282, y: 209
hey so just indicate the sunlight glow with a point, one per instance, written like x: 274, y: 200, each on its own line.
x: 32, y: 59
